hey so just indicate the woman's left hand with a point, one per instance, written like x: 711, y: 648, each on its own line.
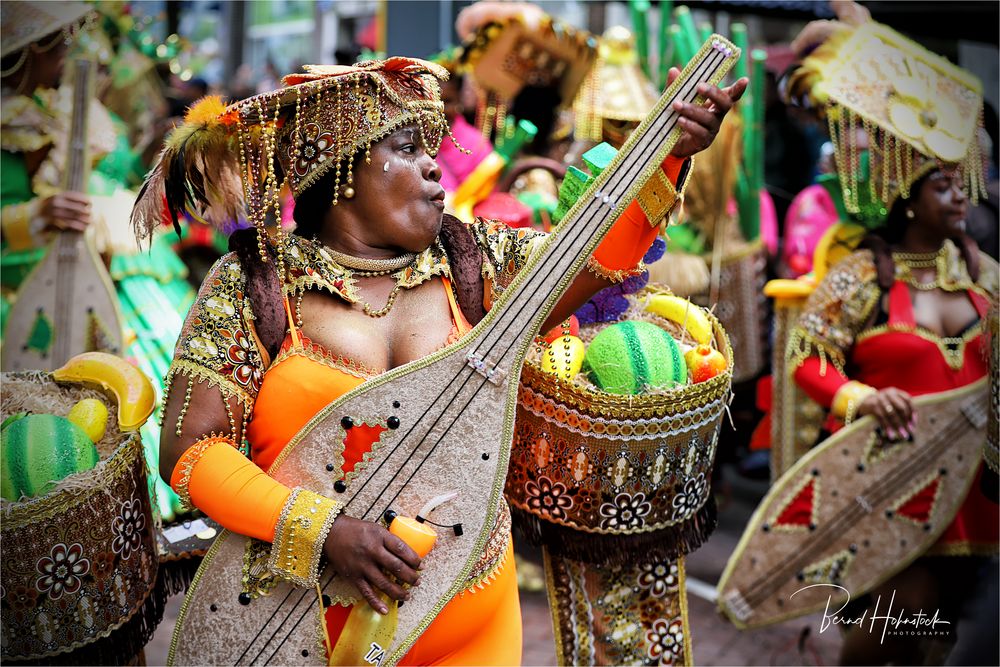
x: 702, y: 123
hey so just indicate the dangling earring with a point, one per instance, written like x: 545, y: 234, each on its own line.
x: 347, y: 192
x: 910, y: 214
x: 385, y: 167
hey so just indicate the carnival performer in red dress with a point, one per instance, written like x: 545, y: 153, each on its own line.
x: 904, y: 315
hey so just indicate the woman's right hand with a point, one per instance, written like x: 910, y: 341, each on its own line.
x: 893, y: 408
x: 363, y: 552
x: 66, y: 211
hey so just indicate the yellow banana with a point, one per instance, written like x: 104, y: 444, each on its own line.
x: 685, y: 313
x: 134, y: 391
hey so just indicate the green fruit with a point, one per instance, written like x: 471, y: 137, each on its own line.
x: 13, y: 418
x: 635, y: 357
x: 40, y: 450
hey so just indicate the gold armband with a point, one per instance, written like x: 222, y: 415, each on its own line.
x: 17, y: 224
x: 298, y: 538
x: 848, y: 398
x: 657, y: 198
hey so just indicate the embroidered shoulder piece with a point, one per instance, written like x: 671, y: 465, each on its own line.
x: 835, y: 313
x: 25, y: 125
x: 989, y: 276
x: 506, y: 251
x: 308, y: 265
x: 216, y: 344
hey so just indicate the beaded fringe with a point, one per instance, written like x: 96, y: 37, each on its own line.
x: 625, y: 549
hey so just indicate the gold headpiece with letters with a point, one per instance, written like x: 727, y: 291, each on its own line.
x: 920, y: 111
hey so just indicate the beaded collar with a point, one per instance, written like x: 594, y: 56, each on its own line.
x: 309, y: 264
x: 951, y: 274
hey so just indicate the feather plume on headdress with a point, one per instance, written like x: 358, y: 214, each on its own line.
x: 197, y: 173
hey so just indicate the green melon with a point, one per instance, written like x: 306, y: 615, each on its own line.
x: 635, y: 357
x: 40, y: 450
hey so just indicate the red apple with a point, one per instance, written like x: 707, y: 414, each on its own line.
x: 571, y: 326
x: 704, y: 363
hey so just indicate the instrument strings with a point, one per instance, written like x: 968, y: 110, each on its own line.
x: 617, y: 185
x: 580, y: 230
x: 647, y: 144
x: 878, y: 493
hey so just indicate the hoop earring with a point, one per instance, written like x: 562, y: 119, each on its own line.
x: 910, y: 214
x: 385, y: 167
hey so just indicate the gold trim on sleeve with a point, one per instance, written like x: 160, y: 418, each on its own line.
x: 298, y: 538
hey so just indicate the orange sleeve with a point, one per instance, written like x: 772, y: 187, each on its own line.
x: 630, y: 237
x: 230, y: 488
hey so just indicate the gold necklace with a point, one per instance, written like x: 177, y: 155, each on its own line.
x: 370, y: 268
x: 378, y: 267
x: 907, y: 261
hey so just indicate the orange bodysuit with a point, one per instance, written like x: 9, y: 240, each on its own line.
x: 480, y: 625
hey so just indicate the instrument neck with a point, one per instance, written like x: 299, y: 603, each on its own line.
x: 576, y: 237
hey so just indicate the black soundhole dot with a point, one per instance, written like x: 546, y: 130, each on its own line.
x: 330, y: 467
x: 245, y: 599
x: 213, y: 607
x: 340, y: 486
x: 347, y: 422
x: 486, y: 456
x: 305, y: 653
x: 396, y: 404
x: 392, y: 422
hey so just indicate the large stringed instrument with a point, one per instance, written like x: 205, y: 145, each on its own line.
x: 854, y: 511
x: 67, y: 304
x: 449, y: 422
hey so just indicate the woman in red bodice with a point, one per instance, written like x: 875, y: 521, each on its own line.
x: 902, y: 317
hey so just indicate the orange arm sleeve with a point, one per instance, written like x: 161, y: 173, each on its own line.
x: 630, y: 237
x: 230, y: 488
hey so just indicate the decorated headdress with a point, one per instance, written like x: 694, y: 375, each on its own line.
x: 616, y: 89
x: 228, y: 163
x: 23, y: 23
x: 920, y: 111
x: 508, y: 54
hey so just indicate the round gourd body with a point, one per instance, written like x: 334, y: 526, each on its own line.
x: 633, y: 357
x: 40, y: 450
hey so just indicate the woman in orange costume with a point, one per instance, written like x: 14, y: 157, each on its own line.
x: 375, y: 277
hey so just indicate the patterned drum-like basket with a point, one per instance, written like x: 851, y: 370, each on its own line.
x: 592, y: 472
x: 79, y: 563
x: 742, y: 308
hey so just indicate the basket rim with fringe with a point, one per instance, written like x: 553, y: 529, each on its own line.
x: 124, y: 468
x: 675, y: 431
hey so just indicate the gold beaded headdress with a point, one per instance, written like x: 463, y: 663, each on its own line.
x: 226, y: 164
x: 920, y: 112
x: 616, y: 89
